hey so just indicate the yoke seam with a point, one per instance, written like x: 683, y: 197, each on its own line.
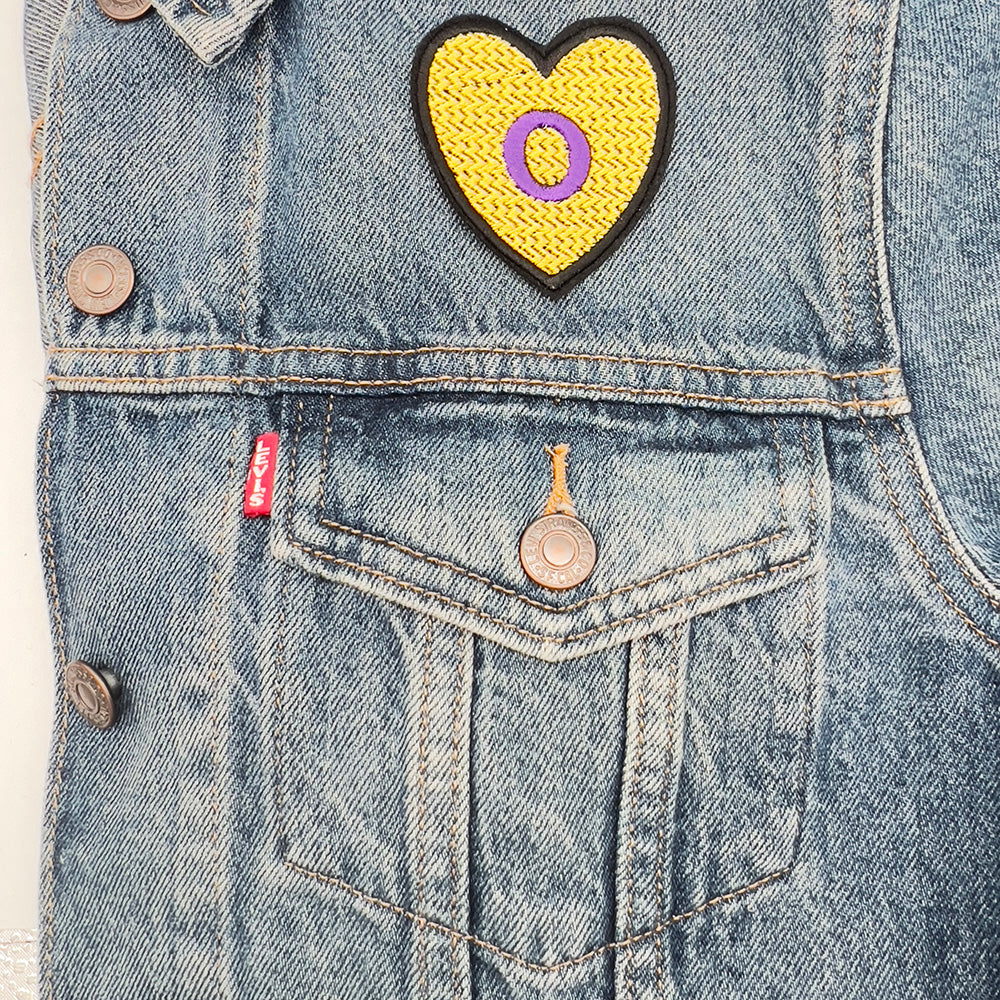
x: 460, y: 349
x: 856, y: 403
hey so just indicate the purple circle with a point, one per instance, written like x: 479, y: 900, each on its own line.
x: 517, y: 165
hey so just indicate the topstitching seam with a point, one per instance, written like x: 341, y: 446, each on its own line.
x: 915, y: 545
x: 471, y: 349
x: 469, y: 938
x: 935, y: 522
x: 869, y: 188
x: 558, y: 640
x: 541, y: 605
x: 215, y: 761
x: 453, y: 827
x: 254, y: 182
x: 640, y: 722
x: 838, y: 172
x: 422, y: 803
x: 50, y: 186
x: 665, y: 784
x: 855, y: 403
x: 277, y: 732
x: 61, y: 740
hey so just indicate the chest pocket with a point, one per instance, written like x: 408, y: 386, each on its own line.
x: 537, y: 782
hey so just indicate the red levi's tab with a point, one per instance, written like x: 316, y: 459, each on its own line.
x: 260, y: 477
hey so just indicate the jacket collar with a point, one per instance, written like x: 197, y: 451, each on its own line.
x: 212, y: 29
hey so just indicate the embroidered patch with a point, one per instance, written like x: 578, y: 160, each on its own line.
x: 550, y: 153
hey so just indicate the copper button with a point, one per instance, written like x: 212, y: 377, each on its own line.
x: 558, y: 551
x: 99, y: 280
x: 124, y: 10
x: 94, y: 693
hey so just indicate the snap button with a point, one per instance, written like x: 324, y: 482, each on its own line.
x: 124, y: 10
x: 99, y: 280
x: 94, y: 693
x: 558, y: 551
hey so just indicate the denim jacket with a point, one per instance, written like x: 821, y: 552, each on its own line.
x: 362, y: 747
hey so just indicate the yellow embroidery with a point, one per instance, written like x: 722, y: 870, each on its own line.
x: 479, y: 84
x: 547, y: 156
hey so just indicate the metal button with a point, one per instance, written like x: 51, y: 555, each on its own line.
x: 124, y: 10
x: 99, y: 280
x: 558, y: 551
x: 94, y: 693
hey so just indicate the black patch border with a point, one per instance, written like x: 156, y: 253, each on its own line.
x: 545, y: 59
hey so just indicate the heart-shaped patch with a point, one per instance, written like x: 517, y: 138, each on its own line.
x: 550, y: 153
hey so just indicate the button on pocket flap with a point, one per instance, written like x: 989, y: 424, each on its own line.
x: 212, y: 30
x: 424, y: 501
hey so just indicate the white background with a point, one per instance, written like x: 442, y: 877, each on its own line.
x: 25, y: 658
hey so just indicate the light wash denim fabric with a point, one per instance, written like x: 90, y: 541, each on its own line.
x: 754, y: 756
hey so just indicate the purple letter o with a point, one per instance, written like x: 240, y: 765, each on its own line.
x: 517, y: 165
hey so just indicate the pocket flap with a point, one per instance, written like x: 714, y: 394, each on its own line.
x: 423, y: 501
x: 211, y: 29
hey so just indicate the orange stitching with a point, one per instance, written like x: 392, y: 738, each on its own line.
x: 911, y: 462
x: 664, y: 787
x: 853, y: 404
x: 213, y: 716
x: 810, y: 649
x: 459, y: 935
x: 782, y: 506
x: 869, y: 187
x: 810, y: 697
x: 838, y: 171
x: 424, y: 592
x: 541, y: 605
x: 924, y: 561
x: 326, y: 441
x: 55, y: 287
x: 255, y: 172
x: 278, y: 732
x: 422, y: 799
x: 60, y: 754
x: 640, y: 716
x: 453, y: 830
x: 457, y: 349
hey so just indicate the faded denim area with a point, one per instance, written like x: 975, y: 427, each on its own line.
x: 360, y: 754
x: 943, y: 196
